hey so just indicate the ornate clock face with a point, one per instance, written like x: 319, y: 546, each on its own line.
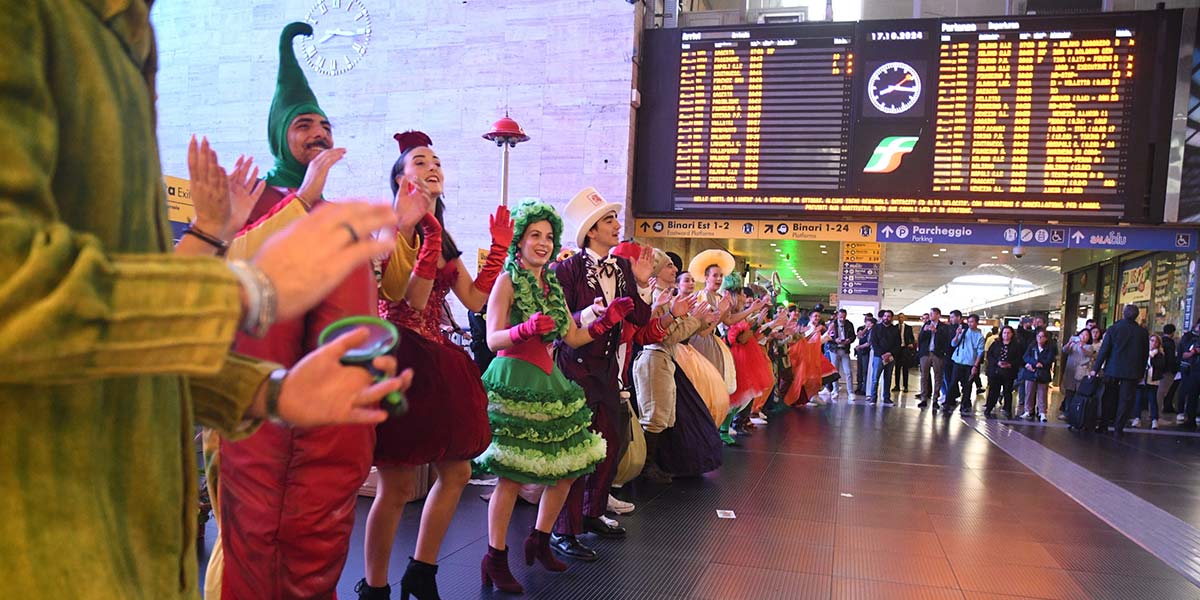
x: 894, y: 88
x: 341, y: 32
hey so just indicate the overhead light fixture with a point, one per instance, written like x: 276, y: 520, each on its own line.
x: 941, y: 249
x: 778, y: 250
x: 824, y: 252
x: 935, y: 255
x: 822, y: 245
x: 772, y: 244
x: 1054, y: 259
x: 1004, y: 252
x: 995, y: 258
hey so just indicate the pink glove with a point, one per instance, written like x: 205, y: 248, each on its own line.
x: 537, y: 324
x: 612, y: 316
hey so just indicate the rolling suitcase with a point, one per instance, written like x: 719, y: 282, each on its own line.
x: 1082, y: 409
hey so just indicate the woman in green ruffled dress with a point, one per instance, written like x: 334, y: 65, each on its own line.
x: 539, y: 419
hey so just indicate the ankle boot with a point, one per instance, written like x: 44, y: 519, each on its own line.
x: 651, y: 471
x: 366, y: 592
x: 420, y: 580
x: 495, y: 572
x: 537, y: 545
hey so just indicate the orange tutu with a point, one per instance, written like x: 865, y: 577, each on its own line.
x: 811, y: 369
x: 754, y: 374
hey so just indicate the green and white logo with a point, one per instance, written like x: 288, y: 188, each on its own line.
x: 888, y: 153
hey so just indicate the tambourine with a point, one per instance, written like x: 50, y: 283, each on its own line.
x: 382, y: 338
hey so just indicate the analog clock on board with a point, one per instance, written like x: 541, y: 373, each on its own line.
x: 894, y: 88
x: 341, y: 32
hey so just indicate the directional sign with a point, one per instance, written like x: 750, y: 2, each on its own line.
x: 695, y: 228
x: 1134, y: 238
x: 179, y: 200
x: 1052, y: 236
x: 817, y: 231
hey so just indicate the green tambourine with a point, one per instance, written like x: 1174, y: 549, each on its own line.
x: 382, y: 339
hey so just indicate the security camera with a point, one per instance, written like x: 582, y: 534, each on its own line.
x: 1018, y: 251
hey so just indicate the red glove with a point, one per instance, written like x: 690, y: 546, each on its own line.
x: 538, y: 324
x: 501, y: 226
x: 612, y: 316
x: 431, y: 247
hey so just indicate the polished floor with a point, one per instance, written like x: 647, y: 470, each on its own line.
x: 856, y: 501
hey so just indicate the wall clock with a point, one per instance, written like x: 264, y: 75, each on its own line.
x: 894, y: 88
x: 341, y: 33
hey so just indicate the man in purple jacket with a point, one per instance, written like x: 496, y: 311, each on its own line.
x: 591, y: 280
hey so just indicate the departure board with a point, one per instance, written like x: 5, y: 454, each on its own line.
x: 763, y: 112
x: 1064, y: 118
x: 1041, y: 112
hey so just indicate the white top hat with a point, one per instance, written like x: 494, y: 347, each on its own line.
x: 582, y: 212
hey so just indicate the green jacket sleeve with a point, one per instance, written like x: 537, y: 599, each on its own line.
x: 222, y: 399
x: 71, y: 307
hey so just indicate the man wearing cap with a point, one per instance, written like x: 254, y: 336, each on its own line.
x: 285, y: 497
x: 591, y: 280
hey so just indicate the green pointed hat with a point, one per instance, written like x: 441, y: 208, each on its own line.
x: 293, y: 97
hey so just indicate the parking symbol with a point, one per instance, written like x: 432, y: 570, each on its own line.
x: 1183, y: 240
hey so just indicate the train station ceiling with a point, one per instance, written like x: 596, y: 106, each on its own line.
x: 985, y: 279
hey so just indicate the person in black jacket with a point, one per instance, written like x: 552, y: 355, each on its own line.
x: 907, y: 357
x: 1147, y: 390
x: 1035, y: 376
x: 1189, y: 369
x: 885, y: 349
x: 1171, y: 358
x: 1122, y: 359
x: 1002, y: 364
x: 862, y: 353
x: 933, y: 348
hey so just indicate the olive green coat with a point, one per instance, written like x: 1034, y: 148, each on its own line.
x: 109, y: 346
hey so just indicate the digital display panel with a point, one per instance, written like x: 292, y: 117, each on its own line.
x: 1007, y: 117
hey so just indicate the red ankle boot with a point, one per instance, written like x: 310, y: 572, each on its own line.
x: 537, y: 545
x: 495, y: 572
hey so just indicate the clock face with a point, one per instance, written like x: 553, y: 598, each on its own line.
x: 894, y: 88
x: 341, y: 32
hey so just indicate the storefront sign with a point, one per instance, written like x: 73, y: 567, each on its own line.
x: 1135, y: 282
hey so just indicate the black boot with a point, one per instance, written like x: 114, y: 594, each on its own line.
x: 366, y: 592
x: 420, y: 580
x: 651, y: 472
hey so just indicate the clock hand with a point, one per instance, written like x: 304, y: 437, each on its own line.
x: 325, y: 38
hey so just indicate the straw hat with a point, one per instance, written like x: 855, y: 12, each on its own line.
x: 712, y: 256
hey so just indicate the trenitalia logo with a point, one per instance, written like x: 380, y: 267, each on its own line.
x: 888, y: 153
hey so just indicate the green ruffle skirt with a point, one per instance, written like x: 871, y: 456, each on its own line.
x: 539, y: 425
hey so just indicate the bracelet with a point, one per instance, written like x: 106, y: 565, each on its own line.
x: 274, y: 387
x: 260, y: 298
x: 221, y: 245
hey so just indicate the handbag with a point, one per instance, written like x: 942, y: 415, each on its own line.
x: 634, y: 457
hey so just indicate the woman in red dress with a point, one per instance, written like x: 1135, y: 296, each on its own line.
x: 446, y: 424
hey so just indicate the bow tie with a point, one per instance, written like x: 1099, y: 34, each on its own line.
x: 607, y: 267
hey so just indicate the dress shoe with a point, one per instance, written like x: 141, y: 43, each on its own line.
x: 602, y: 527
x: 569, y: 546
x: 618, y: 506
x: 923, y: 404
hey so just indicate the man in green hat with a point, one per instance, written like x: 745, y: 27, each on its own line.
x: 286, y: 496
x: 110, y: 346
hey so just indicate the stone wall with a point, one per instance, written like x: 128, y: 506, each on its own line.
x: 562, y: 68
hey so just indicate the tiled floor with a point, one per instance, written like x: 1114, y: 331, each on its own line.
x: 847, y: 501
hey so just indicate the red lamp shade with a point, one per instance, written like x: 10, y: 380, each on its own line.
x: 506, y: 131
